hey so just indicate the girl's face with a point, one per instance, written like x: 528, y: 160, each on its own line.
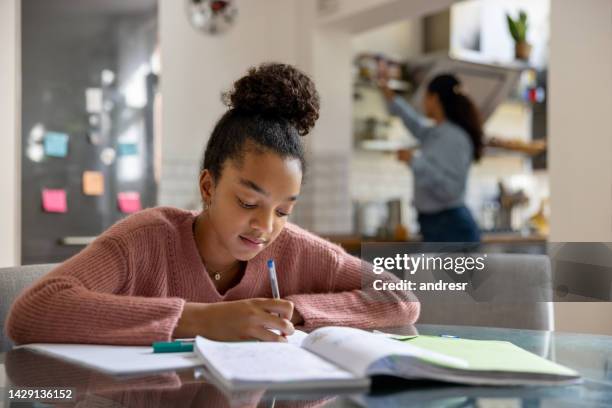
x: 248, y: 206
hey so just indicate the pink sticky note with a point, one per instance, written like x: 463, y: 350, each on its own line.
x: 54, y: 201
x: 129, y: 201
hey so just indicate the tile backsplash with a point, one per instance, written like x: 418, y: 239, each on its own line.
x: 179, y: 184
x: 324, y: 205
x: 334, y: 182
x: 377, y: 178
x: 325, y: 202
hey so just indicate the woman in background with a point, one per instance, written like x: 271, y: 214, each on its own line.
x: 442, y: 163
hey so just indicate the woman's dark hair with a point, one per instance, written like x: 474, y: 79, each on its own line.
x: 459, y: 108
x: 269, y: 109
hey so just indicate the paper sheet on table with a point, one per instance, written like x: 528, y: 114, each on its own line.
x: 126, y: 360
x: 118, y: 360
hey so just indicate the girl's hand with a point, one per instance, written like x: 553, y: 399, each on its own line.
x: 387, y: 92
x: 249, y: 319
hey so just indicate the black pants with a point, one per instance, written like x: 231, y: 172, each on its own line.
x: 452, y: 225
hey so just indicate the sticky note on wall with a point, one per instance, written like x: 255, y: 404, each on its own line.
x: 54, y: 200
x: 93, y: 100
x: 56, y: 144
x: 128, y: 149
x: 93, y: 183
x: 129, y: 201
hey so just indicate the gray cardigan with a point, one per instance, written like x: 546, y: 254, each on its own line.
x: 441, y: 169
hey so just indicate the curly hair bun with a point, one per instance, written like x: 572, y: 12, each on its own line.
x: 277, y: 90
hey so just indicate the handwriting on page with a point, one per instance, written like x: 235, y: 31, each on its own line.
x: 269, y: 362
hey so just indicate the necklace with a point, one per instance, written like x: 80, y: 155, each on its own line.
x: 216, y: 274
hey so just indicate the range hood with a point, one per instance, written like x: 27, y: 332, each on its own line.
x: 488, y: 84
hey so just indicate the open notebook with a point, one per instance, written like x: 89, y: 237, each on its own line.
x: 338, y: 357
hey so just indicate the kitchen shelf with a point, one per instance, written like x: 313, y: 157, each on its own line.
x: 497, y: 147
x: 392, y: 146
x: 393, y: 84
x: 385, y: 146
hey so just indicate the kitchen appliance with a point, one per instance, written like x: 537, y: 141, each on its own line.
x: 488, y: 84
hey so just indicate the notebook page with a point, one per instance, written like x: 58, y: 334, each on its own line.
x: 355, y: 350
x: 266, y: 362
x: 297, y: 338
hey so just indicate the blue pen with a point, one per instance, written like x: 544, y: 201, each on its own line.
x: 273, y: 279
x: 274, y: 285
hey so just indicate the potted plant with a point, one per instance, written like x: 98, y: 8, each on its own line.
x: 518, y: 30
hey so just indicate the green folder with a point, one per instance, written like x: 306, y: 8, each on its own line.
x: 490, y: 357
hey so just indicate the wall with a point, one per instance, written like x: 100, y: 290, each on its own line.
x: 580, y: 123
x: 196, y: 68
x: 400, y: 40
x: 9, y: 125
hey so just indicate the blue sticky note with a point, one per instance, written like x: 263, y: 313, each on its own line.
x: 128, y: 149
x: 56, y: 144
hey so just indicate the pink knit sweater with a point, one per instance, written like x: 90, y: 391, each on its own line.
x: 130, y: 285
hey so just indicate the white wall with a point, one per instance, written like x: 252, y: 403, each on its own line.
x: 197, y: 67
x: 10, y: 151
x: 400, y: 40
x: 580, y: 139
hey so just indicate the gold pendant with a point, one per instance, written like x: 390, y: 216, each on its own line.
x: 217, y: 276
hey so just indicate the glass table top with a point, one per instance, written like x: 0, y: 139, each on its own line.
x: 591, y: 355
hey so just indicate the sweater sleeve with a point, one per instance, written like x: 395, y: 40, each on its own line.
x: 87, y: 300
x: 416, y: 123
x: 442, y: 168
x: 352, y: 301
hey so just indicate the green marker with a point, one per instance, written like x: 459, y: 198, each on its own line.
x: 172, y: 346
